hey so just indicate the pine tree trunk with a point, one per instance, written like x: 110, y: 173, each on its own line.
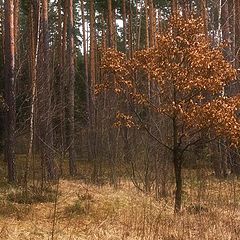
x: 71, y: 81
x: 225, y: 28
x: 33, y: 60
x: 203, y: 11
x: 85, y: 58
x: 124, y: 24
x: 9, y: 72
x: 92, y: 127
x: 237, y: 33
x: 110, y: 24
x: 130, y: 32
x: 151, y: 23
x: 231, y: 17
x: 146, y: 24
x: 45, y: 130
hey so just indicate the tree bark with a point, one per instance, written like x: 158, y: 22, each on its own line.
x: 9, y: 71
x: 34, y: 25
x: 85, y: 58
x: 146, y: 24
x: 203, y: 11
x: 124, y: 24
x: 152, y: 29
x: 225, y: 28
x: 177, y: 161
x: 237, y: 33
x: 45, y: 130
x: 71, y: 81
x: 110, y: 24
x: 92, y: 127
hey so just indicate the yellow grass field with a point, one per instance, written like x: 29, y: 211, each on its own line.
x: 84, y: 211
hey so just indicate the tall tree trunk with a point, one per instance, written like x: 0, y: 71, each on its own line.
x: 9, y: 71
x: 237, y: 33
x: 34, y: 25
x: 64, y: 76
x: 203, y: 11
x: 71, y: 81
x: 231, y: 17
x: 146, y: 24
x: 85, y: 57
x: 16, y: 39
x: 92, y: 127
x: 124, y: 24
x: 225, y: 28
x: 45, y: 130
x: 130, y: 31
x: 139, y: 26
x: 110, y: 24
x: 152, y: 29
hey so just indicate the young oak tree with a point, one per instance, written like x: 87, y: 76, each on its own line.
x: 188, y: 78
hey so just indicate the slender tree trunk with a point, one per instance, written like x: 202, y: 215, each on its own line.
x: 139, y: 26
x: 92, y: 52
x: 59, y: 126
x: 85, y: 57
x: 63, y: 82
x: 124, y: 24
x: 130, y: 31
x: 177, y: 162
x: 9, y: 71
x: 110, y: 24
x: 71, y: 81
x: 151, y: 23
x: 231, y: 17
x: 92, y: 127
x: 146, y: 24
x: 45, y: 130
x: 16, y: 24
x: 33, y: 59
x: 178, y: 179
x: 237, y: 33
x: 225, y: 28
x: 203, y: 11
x: 16, y: 39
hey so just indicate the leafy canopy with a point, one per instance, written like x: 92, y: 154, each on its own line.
x: 182, y: 77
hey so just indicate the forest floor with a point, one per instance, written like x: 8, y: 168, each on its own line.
x: 84, y: 211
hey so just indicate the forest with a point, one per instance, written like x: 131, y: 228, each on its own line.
x: 119, y: 119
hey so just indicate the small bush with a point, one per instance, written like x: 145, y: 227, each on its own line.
x: 77, y: 208
x: 81, y: 205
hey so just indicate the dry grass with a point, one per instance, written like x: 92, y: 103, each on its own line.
x: 89, y: 212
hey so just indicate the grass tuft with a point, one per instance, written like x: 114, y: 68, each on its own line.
x: 32, y: 195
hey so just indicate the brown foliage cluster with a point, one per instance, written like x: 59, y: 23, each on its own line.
x: 187, y: 78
